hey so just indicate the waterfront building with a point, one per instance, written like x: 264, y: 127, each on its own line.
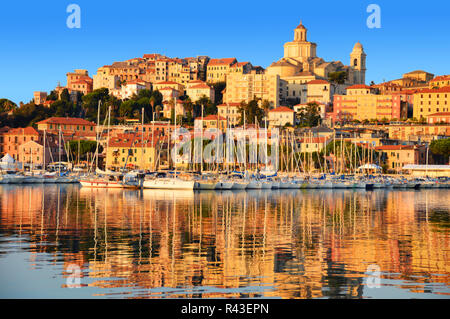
x: 427, y: 170
x: 14, y: 137
x: 69, y: 126
x: 397, y: 156
x: 128, y: 150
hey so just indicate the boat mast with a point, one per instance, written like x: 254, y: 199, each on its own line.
x: 107, y: 137
x: 142, y: 140
x: 43, y: 164
x: 97, y: 134
x: 176, y: 137
x: 201, y: 145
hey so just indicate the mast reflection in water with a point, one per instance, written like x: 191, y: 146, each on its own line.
x: 181, y: 244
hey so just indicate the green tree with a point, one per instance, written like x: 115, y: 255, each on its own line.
x: 65, y: 96
x: 7, y: 105
x: 310, y: 116
x: 441, y: 147
x: 251, y: 111
x: 338, y: 77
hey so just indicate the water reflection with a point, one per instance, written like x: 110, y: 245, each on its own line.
x: 289, y: 244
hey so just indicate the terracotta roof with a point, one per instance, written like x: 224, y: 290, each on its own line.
x: 440, y: 114
x: 282, y: 109
x: 445, y: 89
x: 358, y: 86
x: 225, y: 61
x: 199, y: 86
x: 135, y: 82
x: 394, y: 147
x: 441, y: 78
x: 21, y: 130
x: 211, y: 118
x: 321, y: 139
x: 239, y: 64
x: 66, y: 120
x: 318, y: 82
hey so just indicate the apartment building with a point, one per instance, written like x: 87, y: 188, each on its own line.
x: 430, y: 101
x: 218, y: 69
x: 246, y: 87
x: 363, y: 102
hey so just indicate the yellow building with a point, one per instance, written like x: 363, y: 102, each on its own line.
x: 424, y: 132
x: 212, y: 121
x: 106, y: 79
x: 246, y: 87
x: 430, y: 101
x: 397, y: 156
x: 169, y: 84
x: 127, y: 150
x: 230, y: 111
x: 281, y: 116
x: 218, y: 69
x: 440, y: 81
x: 198, y: 90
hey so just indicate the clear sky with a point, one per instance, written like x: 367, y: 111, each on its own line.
x: 37, y: 49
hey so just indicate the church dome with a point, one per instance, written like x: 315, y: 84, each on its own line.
x: 301, y: 26
x: 358, y: 46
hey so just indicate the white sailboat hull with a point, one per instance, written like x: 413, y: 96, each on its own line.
x: 168, y: 183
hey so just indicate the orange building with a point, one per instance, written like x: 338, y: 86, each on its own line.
x: 13, y: 138
x: 79, y: 81
x: 68, y: 126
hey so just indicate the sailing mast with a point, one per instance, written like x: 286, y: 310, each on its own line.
x: 97, y: 135
x: 142, y: 140
x: 176, y: 137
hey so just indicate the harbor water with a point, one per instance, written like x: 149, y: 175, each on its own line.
x: 65, y: 241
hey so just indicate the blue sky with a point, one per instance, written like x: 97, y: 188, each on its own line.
x: 37, y: 49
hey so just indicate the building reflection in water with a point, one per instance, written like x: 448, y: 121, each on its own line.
x: 290, y: 244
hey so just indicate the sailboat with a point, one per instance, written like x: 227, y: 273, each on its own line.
x: 169, y: 182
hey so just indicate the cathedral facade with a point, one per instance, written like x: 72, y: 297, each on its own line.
x: 301, y: 64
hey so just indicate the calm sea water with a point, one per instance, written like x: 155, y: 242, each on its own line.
x: 64, y: 241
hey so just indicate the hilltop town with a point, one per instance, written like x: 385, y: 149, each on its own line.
x: 314, y: 102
